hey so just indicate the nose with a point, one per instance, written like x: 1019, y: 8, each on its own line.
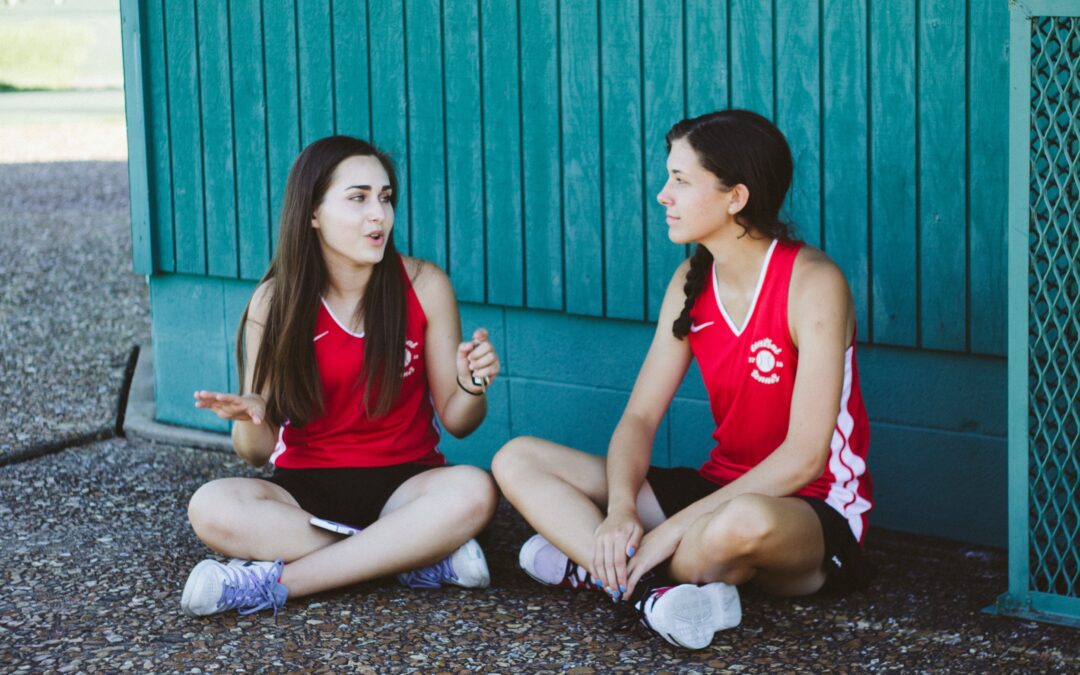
x: 377, y: 213
x: 663, y: 197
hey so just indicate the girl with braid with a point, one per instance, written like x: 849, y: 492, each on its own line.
x: 781, y: 500
x: 354, y: 350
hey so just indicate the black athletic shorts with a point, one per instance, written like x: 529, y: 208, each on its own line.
x: 350, y: 496
x: 845, y: 568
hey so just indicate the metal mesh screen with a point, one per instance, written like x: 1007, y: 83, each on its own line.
x: 1054, y: 307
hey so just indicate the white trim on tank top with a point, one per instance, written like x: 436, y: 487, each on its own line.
x: 757, y: 292
x: 337, y: 321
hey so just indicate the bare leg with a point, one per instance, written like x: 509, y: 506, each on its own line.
x: 427, y: 518
x: 775, y: 542
x: 562, y: 493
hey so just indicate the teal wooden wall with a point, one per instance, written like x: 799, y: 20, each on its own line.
x: 529, y: 141
x: 529, y: 137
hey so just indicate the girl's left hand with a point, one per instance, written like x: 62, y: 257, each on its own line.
x: 477, y: 358
x: 656, y: 547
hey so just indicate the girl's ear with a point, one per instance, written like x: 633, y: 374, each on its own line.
x: 314, y: 221
x: 740, y: 195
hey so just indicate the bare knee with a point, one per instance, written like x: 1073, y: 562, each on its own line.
x: 740, y: 529
x: 514, y: 460
x: 213, y: 508
x: 475, y: 495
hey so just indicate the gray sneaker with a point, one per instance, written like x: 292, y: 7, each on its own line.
x: 465, y: 567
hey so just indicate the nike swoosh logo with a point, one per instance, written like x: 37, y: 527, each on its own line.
x: 696, y: 327
x: 320, y: 335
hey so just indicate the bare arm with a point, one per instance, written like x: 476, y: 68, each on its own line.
x: 450, y: 362
x: 630, y: 449
x: 253, y: 437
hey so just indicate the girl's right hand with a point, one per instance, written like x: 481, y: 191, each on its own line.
x: 246, y: 408
x: 616, y: 540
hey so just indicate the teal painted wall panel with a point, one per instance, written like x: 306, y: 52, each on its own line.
x: 500, y: 72
x: 464, y: 152
x: 541, y: 156
x: 893, y: 202
x: 941, y: 152
x: 219, y: 178
x: 249, y: 113
x: 665, y: 102
x: 582, y: 158
x: 530, y: 159
x: 427, y: 198
x: 939, y: 483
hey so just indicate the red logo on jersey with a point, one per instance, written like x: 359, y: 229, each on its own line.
x: 763, y: 354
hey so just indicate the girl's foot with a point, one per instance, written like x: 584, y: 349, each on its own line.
x: 465, y: 567
x: 689, y: 615
x: 245, y: 585
x: 543, y: 562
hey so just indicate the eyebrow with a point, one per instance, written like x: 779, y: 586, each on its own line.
x: 366, y: 187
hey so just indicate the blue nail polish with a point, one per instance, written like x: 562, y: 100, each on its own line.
x: 622, y: 589
x: 630, y: 552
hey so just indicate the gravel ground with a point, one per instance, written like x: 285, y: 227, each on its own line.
x: 96, y: 549
x: 71, y: 309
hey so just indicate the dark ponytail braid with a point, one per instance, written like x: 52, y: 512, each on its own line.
x: 700, y: 269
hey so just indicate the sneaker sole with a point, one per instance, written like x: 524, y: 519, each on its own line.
x: 690, y: 616
x: 533, y: 542
x: 189, y: 589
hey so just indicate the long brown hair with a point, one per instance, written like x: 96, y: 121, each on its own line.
x: 285, y: 364
x: 736, y: 146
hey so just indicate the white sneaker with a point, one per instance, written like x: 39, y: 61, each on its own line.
x: 247, y: 586
x: 543, y: 562
x: 465, y: 567
x: 689, y: 615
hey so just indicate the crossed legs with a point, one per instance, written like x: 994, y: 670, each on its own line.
x: 775, y: 543
x: 426, y: 518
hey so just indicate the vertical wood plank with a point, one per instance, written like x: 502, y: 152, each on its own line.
x: 249, y: 106
x: 134, y: 48
x: 390, y: 106
x: 316, y: 70
x: 426, y: 139
x: 845, y: 147
x: 708, y: 78
x: 752, y: 56
x: 942, y: 149
x: 185, y: 126
x: 351, y: 87
x: 988, y: 152
x: 581, y: 158
x: 541, y: 171
x: 620, y: 58
x: 159, y: 154
x: 219, y: 181
x: 282, y: 103
x: 464, y: 150
x: 502, y: 151
x: 664, y: 69
x: 798, y: 112
x: 892, y: 195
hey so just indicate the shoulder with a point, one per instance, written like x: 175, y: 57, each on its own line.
x: 259, y: 306
x: 430, y: 283
x: 816, y: 276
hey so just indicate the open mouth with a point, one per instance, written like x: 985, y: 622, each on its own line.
x: 377, y: 237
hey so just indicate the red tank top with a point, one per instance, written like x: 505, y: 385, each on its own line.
x: 343, y: 435
x: 750, y: 377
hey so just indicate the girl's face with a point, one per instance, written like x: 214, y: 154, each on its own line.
x: 355, y: 217
x: 697, y: 204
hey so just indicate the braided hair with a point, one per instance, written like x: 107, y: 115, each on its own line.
x: 736, y: 146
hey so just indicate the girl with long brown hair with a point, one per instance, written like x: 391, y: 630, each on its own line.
x: 781, y: 500
x: 352, y: 350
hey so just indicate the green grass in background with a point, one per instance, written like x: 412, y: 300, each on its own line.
x: 42, y: 54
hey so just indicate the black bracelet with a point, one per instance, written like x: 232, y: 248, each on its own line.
x: 470, y: 393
